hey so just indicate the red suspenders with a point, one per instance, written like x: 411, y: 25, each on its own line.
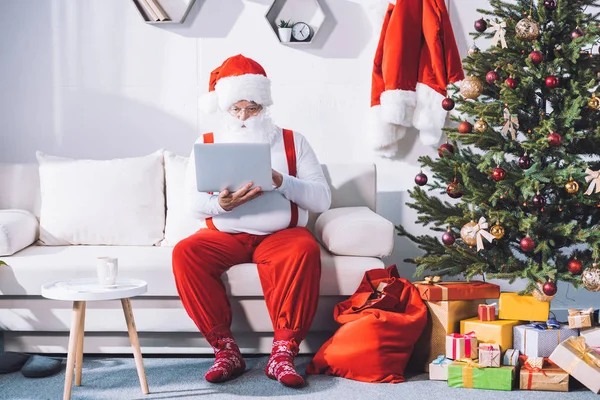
x: 290, y: 155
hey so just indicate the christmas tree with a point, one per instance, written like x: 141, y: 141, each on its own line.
x: 520, y: 171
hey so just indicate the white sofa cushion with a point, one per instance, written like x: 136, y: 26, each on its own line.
x: 34, y: 266
x: 180, y: 223
x: 355, y: 231
x: 102, y: 202
x: 18, y: 229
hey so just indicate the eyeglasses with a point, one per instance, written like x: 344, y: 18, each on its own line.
x: 251, y: 110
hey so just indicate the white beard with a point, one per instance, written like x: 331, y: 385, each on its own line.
x: 257, y: 129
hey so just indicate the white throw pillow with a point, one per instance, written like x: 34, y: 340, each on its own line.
x: 180, y: 223
x: 18, y: 229
x: 102, y: 202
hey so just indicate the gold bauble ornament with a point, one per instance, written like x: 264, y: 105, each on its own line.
x: 527, y: 29
x: 471, y: 87
x: 480, y: 126
x: 497, y: 231
x: 590, y: 277
x: 594, y: 102
x: 571, y: 186
x: 539, y: 295
x: 466, y: 233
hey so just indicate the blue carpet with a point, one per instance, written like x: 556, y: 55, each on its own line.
x: 182, y: 378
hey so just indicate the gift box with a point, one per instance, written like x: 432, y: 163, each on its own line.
x: 580, y: 318
x: 432, y: 289
x: 487, y: 312
x: 463, y: 375
x: 535, y: 342
x: 511, y: 357
x: 498, y: 332
x: 524, y: 308
x: 592, y: 336
x: 443, y: 318
x: 438, y: 369
x: 489, y: 355
x: 544, y: 375
x: 461, y: 346
x: 578, y: 360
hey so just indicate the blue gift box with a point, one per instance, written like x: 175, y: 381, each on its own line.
x: 539, y: 340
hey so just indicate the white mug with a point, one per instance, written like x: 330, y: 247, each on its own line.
x: 107, y: 269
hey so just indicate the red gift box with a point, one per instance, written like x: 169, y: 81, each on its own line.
x: 487, y: 312
x: 433, y: 289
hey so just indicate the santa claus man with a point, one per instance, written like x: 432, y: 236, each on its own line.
x: 252, y: 226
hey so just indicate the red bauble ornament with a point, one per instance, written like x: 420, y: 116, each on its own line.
x: 447, y: 104
x: 492, y: 76
x: 527, y: 244
x: 448, y: 238
x: 536, y: 57
x: 525, y: 162
x: 550, y: 5
x: 465, y: 127
x: 575, y: 266
x: 511, y: 83
x: 552, y: 81
x: 539, y: 201
x: 554, y: 139
x: 577, y: 33
x: 480, y: 25
x: 454, y: 189
x: 498, y: 174
x: 445, y: 149
x: 549, y: 288
x: 421, y: 179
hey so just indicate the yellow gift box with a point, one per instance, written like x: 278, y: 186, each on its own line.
x: 524, y: 308
x: 443, y: 318
x: 498, y: 332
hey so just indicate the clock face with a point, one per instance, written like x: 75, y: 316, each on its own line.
x: 301, y: 31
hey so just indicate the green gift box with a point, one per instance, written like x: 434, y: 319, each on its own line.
x: 464, y: 375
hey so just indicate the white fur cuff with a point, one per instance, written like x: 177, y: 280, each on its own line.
x: 384, y: 135
x: 398, y: 106
x: 429, y: 116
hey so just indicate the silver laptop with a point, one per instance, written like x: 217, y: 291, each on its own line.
x: 229, y: 166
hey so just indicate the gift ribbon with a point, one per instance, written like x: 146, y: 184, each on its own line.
x: 479, y: 232
x: 538, y: 327
x: 511, y: 355
x: 456, y: 340
x: 467, y: 371
x: 594, y: 178
x: 583, y: 352
x: 440, y: 360
x: 490, y: 311
x: 500, y: 32
x: 491, y: 349
x: 433, y: 281
x: 579, y: 316
x: 512, y: 124
x: 533, y: 364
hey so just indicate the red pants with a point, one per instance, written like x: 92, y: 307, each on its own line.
x: 289, y: 267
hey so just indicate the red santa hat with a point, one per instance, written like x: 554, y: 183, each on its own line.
x: 238, y: 78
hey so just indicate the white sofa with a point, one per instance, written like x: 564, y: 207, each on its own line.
x: 31, y: 323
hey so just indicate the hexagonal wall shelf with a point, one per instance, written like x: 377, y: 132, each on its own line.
x: 175, y: 10
x: 307, y: 11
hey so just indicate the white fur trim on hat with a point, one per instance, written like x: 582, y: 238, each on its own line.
x: 398, y: 106
x: 250, y: 87
x: 429, y: 117
x: 208, y: 102
x: 384, y: 135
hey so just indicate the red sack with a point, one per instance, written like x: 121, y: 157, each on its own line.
x: 378, y: 333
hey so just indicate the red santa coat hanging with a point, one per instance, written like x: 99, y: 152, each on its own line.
x: 416, y: 59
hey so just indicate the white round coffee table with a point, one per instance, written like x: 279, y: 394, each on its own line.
x: 79, y: 291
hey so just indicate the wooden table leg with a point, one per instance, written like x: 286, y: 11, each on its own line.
x: 135, y: 344
x: 73, y: 337
x: 79, y: 358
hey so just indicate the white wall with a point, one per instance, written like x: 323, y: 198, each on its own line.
x: 88, y: 78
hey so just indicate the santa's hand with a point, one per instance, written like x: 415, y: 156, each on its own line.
x: 277, y: 178
x: 228, y: 201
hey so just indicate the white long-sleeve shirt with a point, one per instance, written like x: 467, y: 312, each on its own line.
x: 270, y: 212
